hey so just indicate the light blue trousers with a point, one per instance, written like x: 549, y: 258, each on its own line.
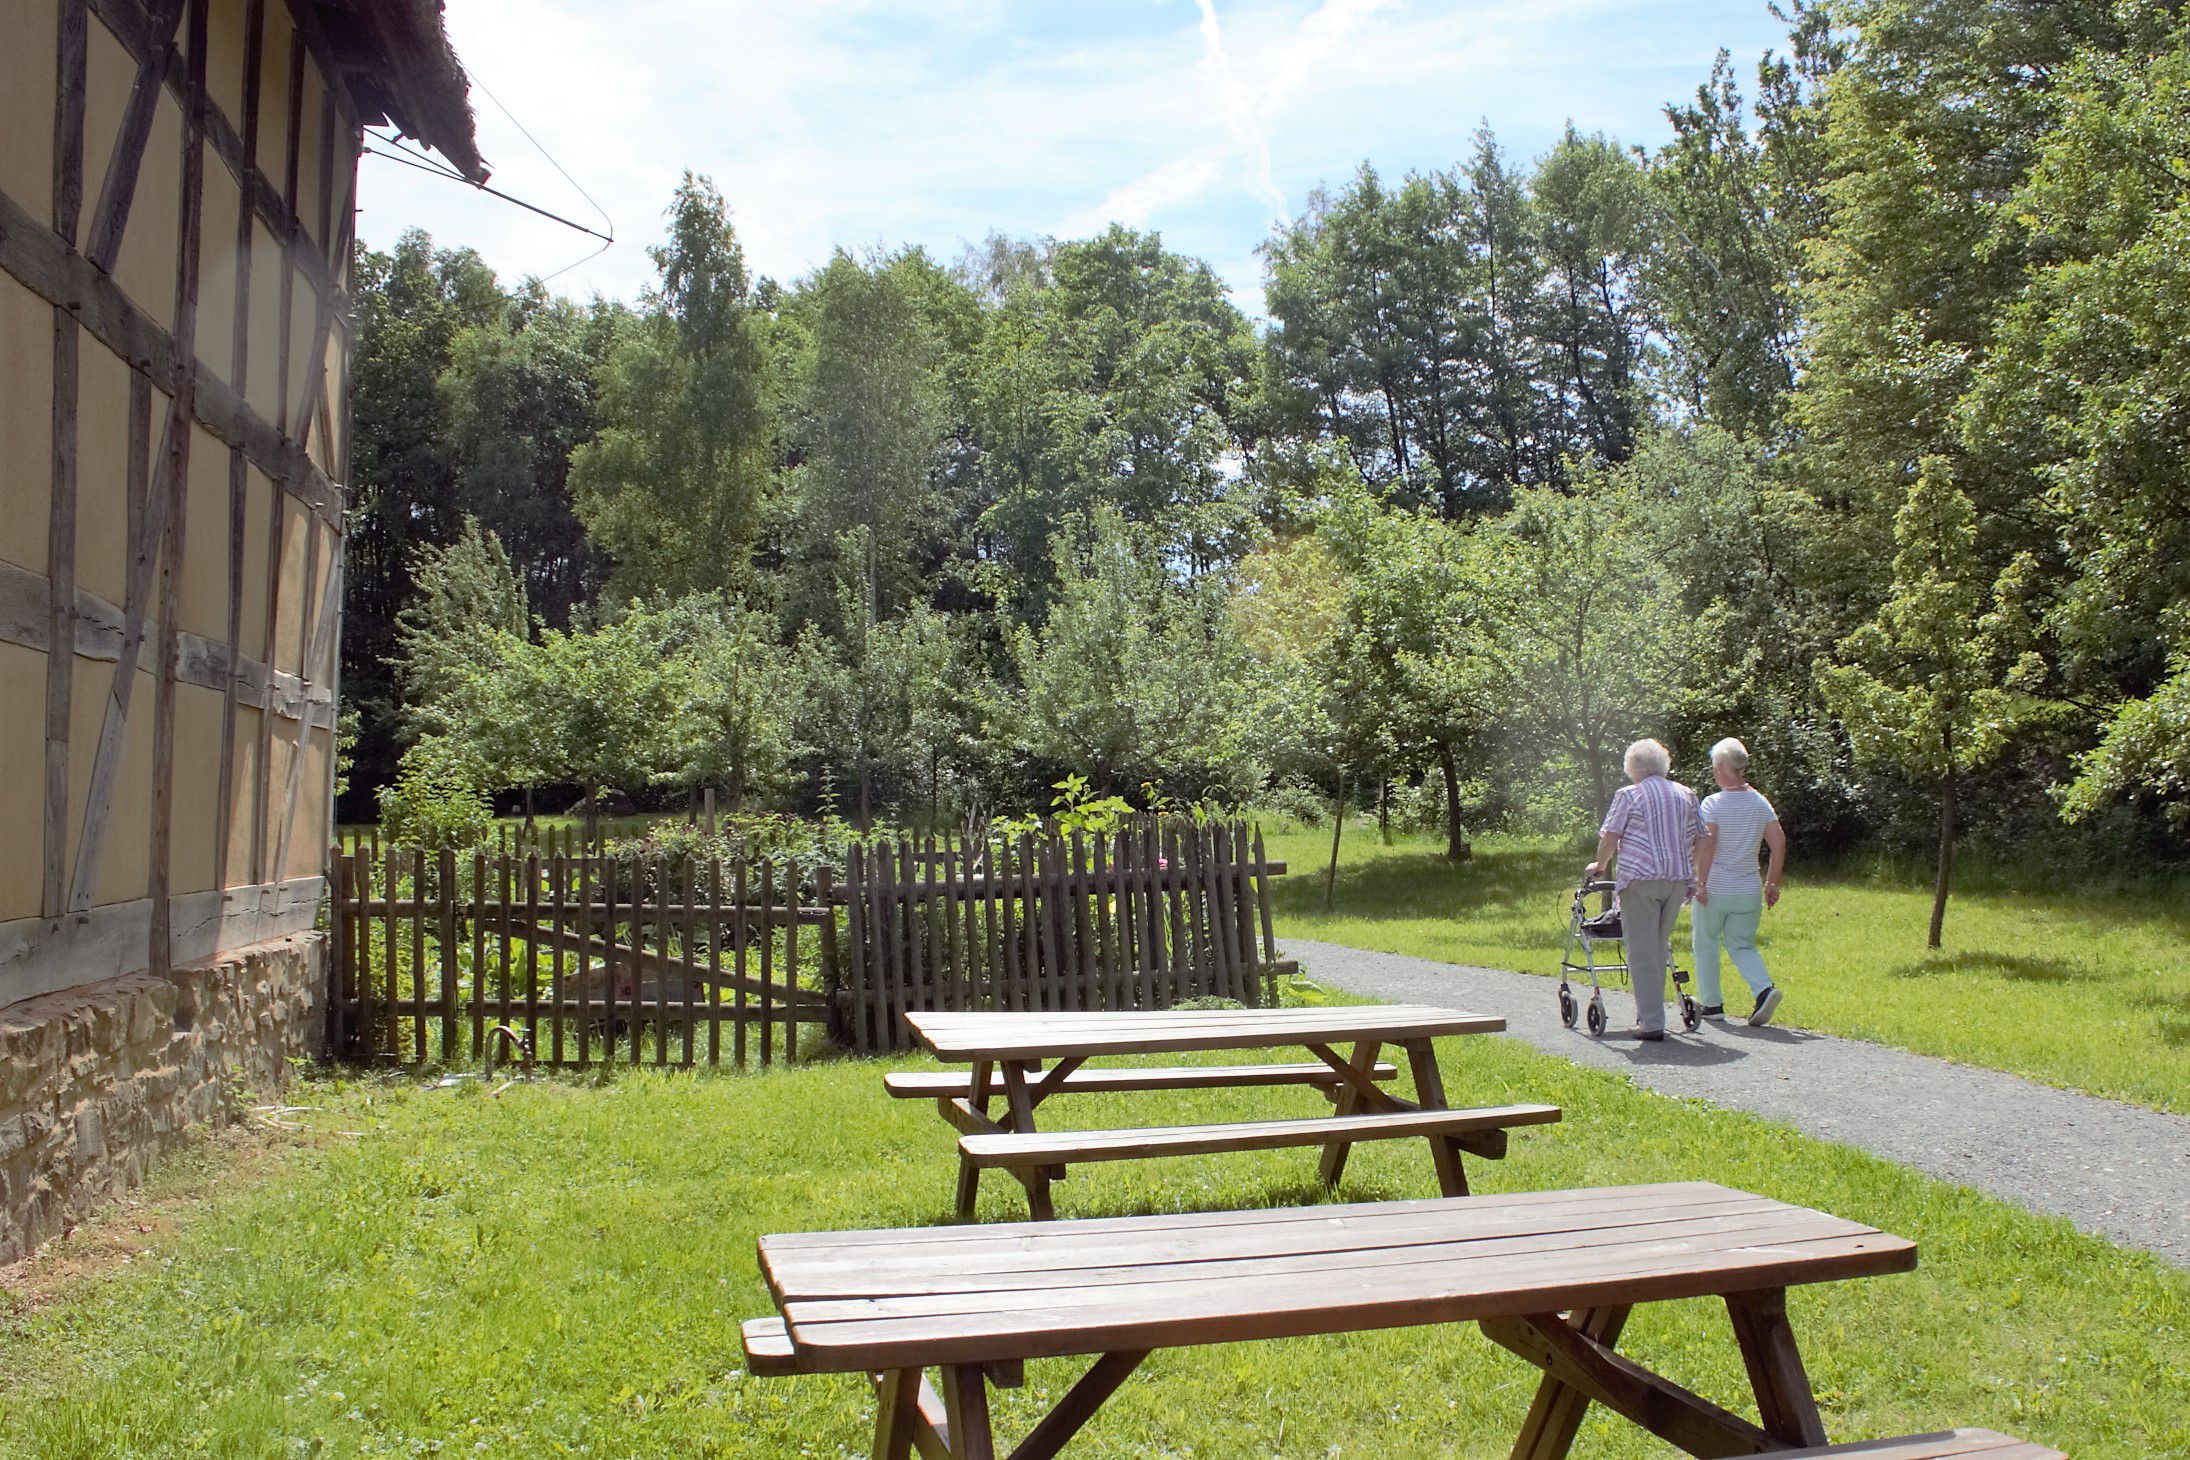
x: 1729, y: 921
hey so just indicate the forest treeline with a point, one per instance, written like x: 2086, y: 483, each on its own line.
x: 1850, y: 420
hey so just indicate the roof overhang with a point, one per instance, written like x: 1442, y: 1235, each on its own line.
x: 395, y: 61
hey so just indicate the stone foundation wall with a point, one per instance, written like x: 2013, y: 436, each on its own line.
x: 97, y: 1082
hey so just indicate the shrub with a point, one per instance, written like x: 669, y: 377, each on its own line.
x: 436, y: 800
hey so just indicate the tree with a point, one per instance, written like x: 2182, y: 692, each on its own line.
x: 1924, y: 686
x: 1134, y: 677
x: 2084, y: 395
x: 1419, y: 663
x: 517, y: 398
x: 411, y: 304
x: 1602, y: 646
x: 742, y: 699
x: 1729, y: 208
x: 1124, y: 383
x: 674, y: 487
x: 1589, y: 208
x: 888, y: 701
x: 469, y: 604
x: 869, y: 425
x: 600, y: 709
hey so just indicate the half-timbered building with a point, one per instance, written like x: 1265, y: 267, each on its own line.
x: 176, y: 206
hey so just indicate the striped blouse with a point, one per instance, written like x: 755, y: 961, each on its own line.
x: 1657, y: 825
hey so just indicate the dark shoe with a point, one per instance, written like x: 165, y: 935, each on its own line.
x: 1713, y: 1011
x: 1650, y: 1034
x: 1767, y: 1005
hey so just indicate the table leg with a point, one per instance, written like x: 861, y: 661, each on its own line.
x: 1333, y: 1164
x: 969, y: 1175
x: 1429, y: 1093
x: 898, y: 1391
x: 966, y: 1401
x: 1782, y: 1386
x: 1555, y: 1415
x: 1020, y: 1106
x: 1079, y: 1405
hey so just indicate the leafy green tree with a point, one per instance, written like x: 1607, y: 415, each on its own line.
x: 411, y: 303
x: 674, y: 486
x: 469, y: 604
x: 1602, y: 647
x: 1925, y: 686
x: 1589, y: 206
x: 736, y: 726
x: 1134, y: 677
x: 601, y: 709
x: 887, y: 701
x: 2084, y: 394
x: 869, y: 426
x: 1420, y: 662
x: 1123, y: 383
x: 517, y: 399
x: 1731, y: 199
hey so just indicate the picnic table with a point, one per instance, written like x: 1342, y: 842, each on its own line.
x: 1026, y: 1058
x: 1550, y: 1275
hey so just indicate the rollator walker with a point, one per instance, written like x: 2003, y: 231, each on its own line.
x: 1595, y: 921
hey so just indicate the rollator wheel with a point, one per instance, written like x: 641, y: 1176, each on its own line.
x: 1596, y: 1018
x: 1567, y: 1010
x: 1691, y: 1015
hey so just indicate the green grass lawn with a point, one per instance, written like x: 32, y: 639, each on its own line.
x: 2078, y: 988
x: 561, y: 1271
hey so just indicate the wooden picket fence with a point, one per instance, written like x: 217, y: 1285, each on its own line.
x: 577, y: 960
x: 1158, y: 912
x: 571, y: 960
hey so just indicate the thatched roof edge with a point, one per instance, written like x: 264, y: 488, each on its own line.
x: 399, y: 68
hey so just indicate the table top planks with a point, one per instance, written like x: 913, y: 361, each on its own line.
x: 911, y: 1297
x: 1024, y: 1036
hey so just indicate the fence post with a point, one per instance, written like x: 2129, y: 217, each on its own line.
x: 446, y: 877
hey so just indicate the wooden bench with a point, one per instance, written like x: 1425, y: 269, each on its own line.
x: 1550, y: 1275
x: 1023, y: 1058
x: 957, y: 1084
x: 1480, y: 1132
x: 1947, y: 1445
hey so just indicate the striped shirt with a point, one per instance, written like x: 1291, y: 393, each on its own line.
x: 1738, y: 818
x: 1657, y: 825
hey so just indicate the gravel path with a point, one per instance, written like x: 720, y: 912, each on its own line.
x: 2117, y: 1170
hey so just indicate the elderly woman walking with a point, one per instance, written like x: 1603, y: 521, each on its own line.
x: 1730, y: 898
x: 1651, y: 830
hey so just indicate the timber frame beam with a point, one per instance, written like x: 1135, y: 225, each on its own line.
x: 50, y: 268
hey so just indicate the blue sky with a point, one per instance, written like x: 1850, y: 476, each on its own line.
x: 882, y: 122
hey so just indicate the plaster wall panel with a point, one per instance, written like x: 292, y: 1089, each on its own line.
x: 201, y: 600
x: 311, y: 184
x: 26, y: 422
x: 257, y: 503
x: 308, y: 835
x: 217, y: 268
x: 262, y: 380
x: 103, y: 508
x: 125, y: 850
x: 26, y: 104
x: 196, y: 822
x: 245, y: 748
x: 22, y: 795
x: 109, y: 75
x: 289, y: 611
x: 274, y: 93
x: 227, y: 53
x: 146, y: 266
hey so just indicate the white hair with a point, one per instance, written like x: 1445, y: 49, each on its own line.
x: 1730, y: 753
x: 1649, y: 758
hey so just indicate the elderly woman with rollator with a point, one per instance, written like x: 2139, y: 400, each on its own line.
x: 1669, y: 849
x: 1651, y: 832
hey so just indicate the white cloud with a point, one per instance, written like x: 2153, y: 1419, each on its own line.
x: 883, y: 121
